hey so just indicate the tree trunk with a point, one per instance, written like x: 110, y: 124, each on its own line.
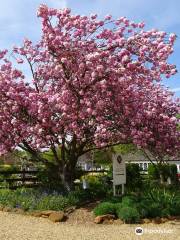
x: 68, y: 173
x: 67, y: 177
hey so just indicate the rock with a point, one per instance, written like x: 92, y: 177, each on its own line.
x: 156, y: 220
x: 70, y: 210
x: 146, y: 220
x: 7, y: 209
x: 102, y: 218
x: 57, y: 216
x: 163, y: 220
x: 52, y: 215
x: 44, y: 216
x: 36, y: 214
x: 47, y: 213
x: 106, y: 221
x: 171, y: 218
x: 98, y: 220
x: 118, y: 221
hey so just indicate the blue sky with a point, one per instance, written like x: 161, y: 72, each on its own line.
x: 18, y: 20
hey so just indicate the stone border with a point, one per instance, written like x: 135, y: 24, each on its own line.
x: 110, y: 219
x: 61, y: 216
x: 54, y: 216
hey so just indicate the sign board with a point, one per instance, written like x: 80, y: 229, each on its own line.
x: 119, y: 170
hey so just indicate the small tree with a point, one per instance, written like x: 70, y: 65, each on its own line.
x: 94, y: 85
x: 163, y: 172
x: 134, y: 178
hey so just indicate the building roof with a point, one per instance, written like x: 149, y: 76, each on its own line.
x: 138, y: 156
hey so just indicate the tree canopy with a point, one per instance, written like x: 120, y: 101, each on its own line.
x: 95, y: 83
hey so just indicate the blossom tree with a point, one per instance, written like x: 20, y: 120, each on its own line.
x: 95, y: 83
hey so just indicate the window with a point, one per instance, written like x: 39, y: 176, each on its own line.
x: 141, y: 166
x: 145, y: 166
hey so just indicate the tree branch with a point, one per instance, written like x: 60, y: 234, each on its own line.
x: 33, y: 74
x: 107, y: 146
x: 33, y: 153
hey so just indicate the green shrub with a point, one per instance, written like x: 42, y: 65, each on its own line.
x: 94, y: 192
x: 163, y: 196
x: 7, y: 167
x: 81, y: 195
x: 133, y: 177
x: 49, y: 178
x: 159, y: 202
x: 53, y: 203
x: 105, y: 208
x: 128, y: 214
x: 153, y: 210
x: 35, y: 200
x: 143, y: 210
x: 26, y: 203
x: 7, y: 174
x: 18, y: 198
x: 97, y: 188
x: 165, y: 212
x: 113, y: 199
x: 155, y: 202
x: 174, y: 208
x: 173, y: 173
x: 153, y: 172
x: 128, y: 201
x: 165, y: 170
x: 4, y: 197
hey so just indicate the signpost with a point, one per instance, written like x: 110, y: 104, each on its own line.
x: 119, y: 173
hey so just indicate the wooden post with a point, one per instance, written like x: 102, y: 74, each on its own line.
x: 118, y: 192
x: 122, y: 189
x: 114, y: 190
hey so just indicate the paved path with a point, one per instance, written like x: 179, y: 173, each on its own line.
x: 19, y: 227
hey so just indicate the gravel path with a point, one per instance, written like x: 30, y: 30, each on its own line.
x: 19, y: 227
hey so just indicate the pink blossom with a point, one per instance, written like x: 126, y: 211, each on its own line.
x: 91, y: 82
